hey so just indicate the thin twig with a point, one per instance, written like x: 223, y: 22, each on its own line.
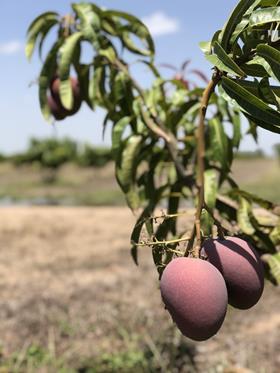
x: 155, y: 243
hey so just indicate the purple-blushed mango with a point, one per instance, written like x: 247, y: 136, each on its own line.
x: 194, y: 292
x: 241, y: 267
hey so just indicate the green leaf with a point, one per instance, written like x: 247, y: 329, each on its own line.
x: 257, y: 122
x: 218, y: 142
x: 126, y: 171
x: 236, y: 122
x: 273, y: 262
x: 227, y: 61
x: 109, y: 53
x: 215, y: 61
x: 67, y: 52
x: 205, y: 46
x: 263, y: 16
x: 235, y: 19
x: 244, y: 214
x: 252, y: 197
x: 39, y: 29
x: 117, y: 132
x: 253, y: 86
x: 267, y: 94
x: 210, y: 188
x: 272, y: 56
x: 275, y: 235
x: 44, y: 34
x: 89, y: 15
x: 136, y: 27
x: 254, y: 69
x: 47, y: 72
x: 251, y: 104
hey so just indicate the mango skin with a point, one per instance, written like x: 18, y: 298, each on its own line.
x: 194, y: 292
x: 241, y: 267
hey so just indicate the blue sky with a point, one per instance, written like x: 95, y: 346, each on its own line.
x: 177, y: 27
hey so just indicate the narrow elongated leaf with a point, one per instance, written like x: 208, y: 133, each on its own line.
x: 272, y: 56
x: 218, y: 142
x: 117, y: 132
x: 273, y: 262
x: 37, y: 20
x: 136, y: 27
x: 265, y: 15
x: 253, y: 87
x: 215, y: 61
x: 39, y: 29
x: 67, y: 52
x: 275, y: 235
x: 244, y: 216
x: 126, y: 171
x: 240, y: 28
x: 47, y: 72
x: 89, y: 15
x: 259, y: 123
x: 44, y: 33
x: 236, y: 122
x: 262, y: 63
x: 234, y: 20
x: 267, y: 94
x: 205, y: 46
x: 210, y: 188
x: 250, y: 103
x: 253, y: 69
x: 252, y: 197
x: 227, y: 60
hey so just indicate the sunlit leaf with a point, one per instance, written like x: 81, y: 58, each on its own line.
x: 218, y: 142
x: 66, y: 52
x: 250, y: 103
x: 234, y: 20
x: 244, y: 214
x: 47, y: 72
x: 273, y: 262
x: 263, y: 16
x: 38, y: 30
x: 227, y: 61
x: 272, y: 56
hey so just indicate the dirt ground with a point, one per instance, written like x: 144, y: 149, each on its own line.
x: 67, y: 283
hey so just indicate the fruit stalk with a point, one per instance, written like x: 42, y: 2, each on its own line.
x: 200, y: 136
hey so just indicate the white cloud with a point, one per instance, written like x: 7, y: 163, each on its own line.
x: 161, y: 24
x: 10, y: 47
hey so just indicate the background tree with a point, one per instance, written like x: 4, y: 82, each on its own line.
x: 169, y: 141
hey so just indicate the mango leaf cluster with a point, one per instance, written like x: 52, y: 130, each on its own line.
x: 154, y: 130
x: 247, y: 51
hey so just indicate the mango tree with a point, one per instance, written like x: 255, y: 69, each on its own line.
x: 171, y: 148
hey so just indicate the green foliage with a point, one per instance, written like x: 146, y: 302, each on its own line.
x: 154, y: 130
x: 50, y: 153
x: 89, y: 156
x: 53, y: 153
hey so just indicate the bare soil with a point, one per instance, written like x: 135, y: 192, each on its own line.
x: 67, y: 282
